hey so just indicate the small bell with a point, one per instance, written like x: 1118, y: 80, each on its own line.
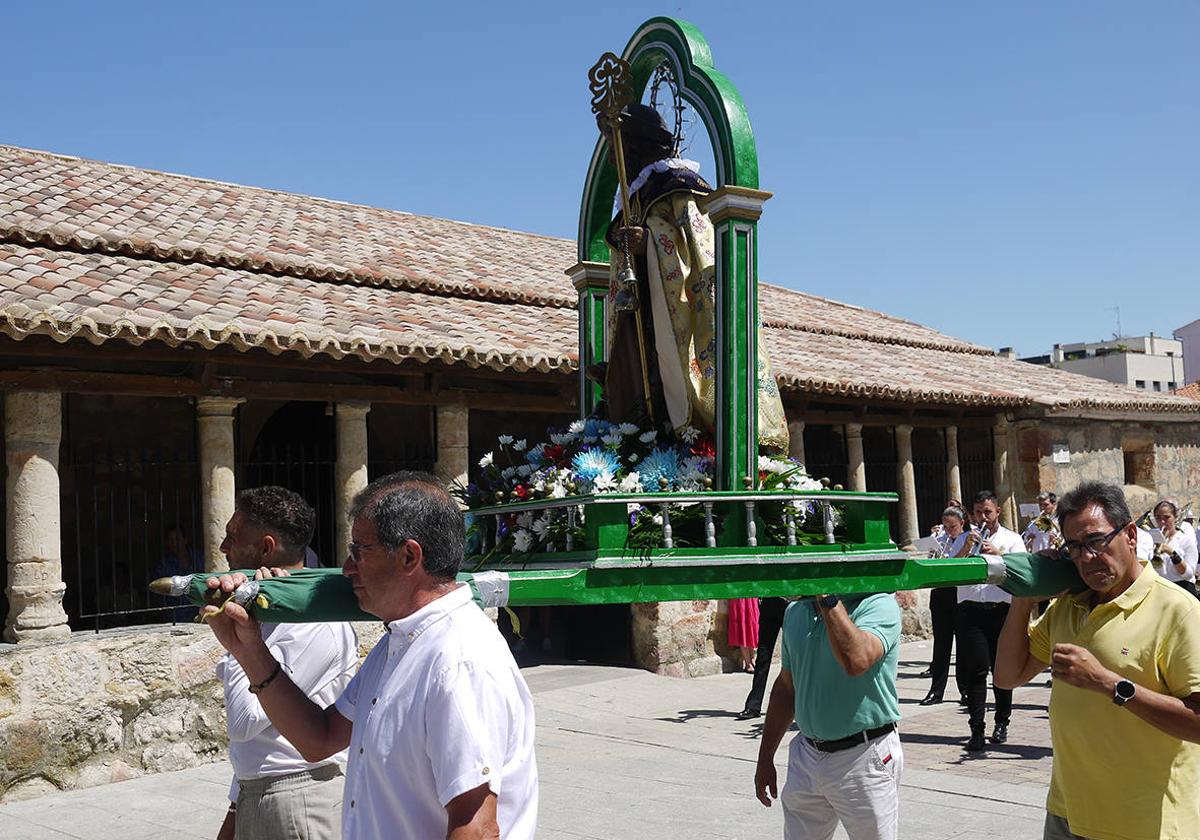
x: 626, y: 299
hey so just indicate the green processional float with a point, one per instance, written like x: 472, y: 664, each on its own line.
x: 670, y: 486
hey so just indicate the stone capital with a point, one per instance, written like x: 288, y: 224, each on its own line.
x: 351, y: 409
x: 854, y: 430
x: 904, y: 430
x: 217, y: 406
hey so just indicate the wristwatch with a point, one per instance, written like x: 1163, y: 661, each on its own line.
x: 1123, y: 692
x: 829, y: 601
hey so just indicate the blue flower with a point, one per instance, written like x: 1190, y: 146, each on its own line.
x: 593, y: 462
x: 661, y: 463
x: 534, y: 455
x: 594, y: 427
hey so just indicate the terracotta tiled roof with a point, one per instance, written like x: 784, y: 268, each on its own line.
x: 102, y: 252
x: 1192, y: 392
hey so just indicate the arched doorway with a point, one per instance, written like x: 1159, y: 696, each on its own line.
x: 295, y: 448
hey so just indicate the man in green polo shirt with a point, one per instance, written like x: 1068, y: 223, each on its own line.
x: 839, y: 685
x: 1125, y: 707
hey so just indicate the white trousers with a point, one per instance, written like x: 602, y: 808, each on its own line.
x: 859, y: 787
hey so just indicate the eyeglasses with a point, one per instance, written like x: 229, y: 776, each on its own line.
x: 1095, y: 545
x: 356, y: 549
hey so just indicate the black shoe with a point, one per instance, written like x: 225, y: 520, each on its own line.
x: 1000, y: 733
x: 962, y: 700
x: 747, y: 713
x: 926, y: 674
x: 976, y: 743
x: 932, y: 698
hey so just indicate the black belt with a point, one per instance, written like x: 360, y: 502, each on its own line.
x: 985, y: 605
x: 851, y: 741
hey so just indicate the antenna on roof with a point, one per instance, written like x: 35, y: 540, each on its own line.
x: 1118, y: 334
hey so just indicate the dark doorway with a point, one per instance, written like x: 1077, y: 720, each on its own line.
x: 929, y: 474
x: 825, y: 452
x: 295, y: 448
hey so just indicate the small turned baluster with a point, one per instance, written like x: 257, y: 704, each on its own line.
x: 571, y: 528
x: 827, y: 514
x: 789, y: 519
x: 665, y: 507
x: 710, y: 528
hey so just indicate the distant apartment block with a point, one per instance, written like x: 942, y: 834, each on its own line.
x: 1189, y: 334
x: 1149, y: 362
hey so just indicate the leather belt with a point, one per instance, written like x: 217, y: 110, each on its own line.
x: 851, y: 741
x: 985, y: 605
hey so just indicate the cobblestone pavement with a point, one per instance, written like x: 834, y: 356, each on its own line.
x: 625, y: 754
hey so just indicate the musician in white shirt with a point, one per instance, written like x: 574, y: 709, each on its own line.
x: 276, y: 793
x: 982, y: 608
x: 1036, y: 536
x: 1175, y: 557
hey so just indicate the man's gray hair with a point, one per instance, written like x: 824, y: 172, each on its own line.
x: 1047, y: 496
x: 415, y: 506
x: 1109, y: 497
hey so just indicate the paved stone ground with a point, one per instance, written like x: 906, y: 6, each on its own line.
x: 623, y: 753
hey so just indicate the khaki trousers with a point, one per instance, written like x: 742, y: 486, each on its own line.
x: 299, y: 806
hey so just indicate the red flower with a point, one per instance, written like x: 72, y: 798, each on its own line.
x: 521, y: 491
x: 555, y: 453
x: 704, y: 448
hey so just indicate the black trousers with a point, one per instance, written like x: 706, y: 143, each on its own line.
x: 770, y: 621
x: 977, y: 636
x: 943, y: 607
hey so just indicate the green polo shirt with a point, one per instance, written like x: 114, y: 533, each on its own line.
x: 831, y: 704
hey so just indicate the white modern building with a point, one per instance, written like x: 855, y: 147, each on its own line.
x: 1189, y: 335
x: 1150, y: 362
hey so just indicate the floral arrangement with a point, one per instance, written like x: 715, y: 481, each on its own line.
x: 595, y: 456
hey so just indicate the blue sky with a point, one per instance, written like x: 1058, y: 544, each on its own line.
x: 1004, y: 172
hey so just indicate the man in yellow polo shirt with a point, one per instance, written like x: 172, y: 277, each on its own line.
x: 1125, y: 706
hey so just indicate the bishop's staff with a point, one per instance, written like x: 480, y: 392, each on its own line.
x: 611, y: 83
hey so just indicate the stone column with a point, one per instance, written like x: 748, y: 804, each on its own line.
x: 32, y: 432
x: 856, y: 467
x: 796, y: 441
x: 906, y: 481
x: 953, y: 478
x: 1000, y: 472
x: 217, y: 491
x: 453, y: 438
x: 350, y: 472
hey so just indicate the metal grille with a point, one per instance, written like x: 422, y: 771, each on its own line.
x: 407, y: 456
x: 304, y: 468
x: 128, y: 517
x: 825, y: 453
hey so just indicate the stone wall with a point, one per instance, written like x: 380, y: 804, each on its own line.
x: 102, y: 708
x: 1166, y: 456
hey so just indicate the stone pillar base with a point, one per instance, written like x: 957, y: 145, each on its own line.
x: 676, y: 638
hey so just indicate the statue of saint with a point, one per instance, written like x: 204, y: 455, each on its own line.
x: 670, y: 247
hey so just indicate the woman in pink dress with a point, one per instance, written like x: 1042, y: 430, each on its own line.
x: 743, y: 630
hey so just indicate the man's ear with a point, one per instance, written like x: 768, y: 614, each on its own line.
x: 412, y: 557
x: 268, y: 544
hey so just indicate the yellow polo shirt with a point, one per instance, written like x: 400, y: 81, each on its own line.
x: 1116, y: 777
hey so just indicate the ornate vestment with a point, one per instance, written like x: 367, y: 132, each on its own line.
x: 677, y: 298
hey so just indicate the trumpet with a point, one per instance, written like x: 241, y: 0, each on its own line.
x: 1048, y: 526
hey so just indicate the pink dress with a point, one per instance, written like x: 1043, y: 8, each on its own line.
x: 743, y: 622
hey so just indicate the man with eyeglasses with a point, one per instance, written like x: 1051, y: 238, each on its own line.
x: 438, y: 721
x: 1125, y: 702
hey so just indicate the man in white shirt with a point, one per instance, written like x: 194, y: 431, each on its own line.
x: 439, y: 720
x: 1035, y: 538
x: 982, y: 608
x: 276, y: 793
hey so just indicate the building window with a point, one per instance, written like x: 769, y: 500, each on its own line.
x: 1171, y: 386
x: 1139, y: 463
x: 1157, y: 385
x: 1141, y: 383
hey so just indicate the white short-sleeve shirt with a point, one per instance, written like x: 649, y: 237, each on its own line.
x: 1008, y: 542
x: 438, y: 708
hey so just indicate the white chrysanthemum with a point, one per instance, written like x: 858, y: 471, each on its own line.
x: 613, y: 438
x: 627, y: 429
x: 541, y: 525
x: 508, y: 472
x: 505, y: 440
x: 524, y: 520
x: 522, y: 540
x: 558, y: 490
x: 486, y: 460
x: 524, y: 469
x: 688, y: 434
x: 561, y: 440
x: 631, y: 483
x: 648, y: 437
x: 520, y: 445
x: 576, y: 427
x: 604, y: 483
